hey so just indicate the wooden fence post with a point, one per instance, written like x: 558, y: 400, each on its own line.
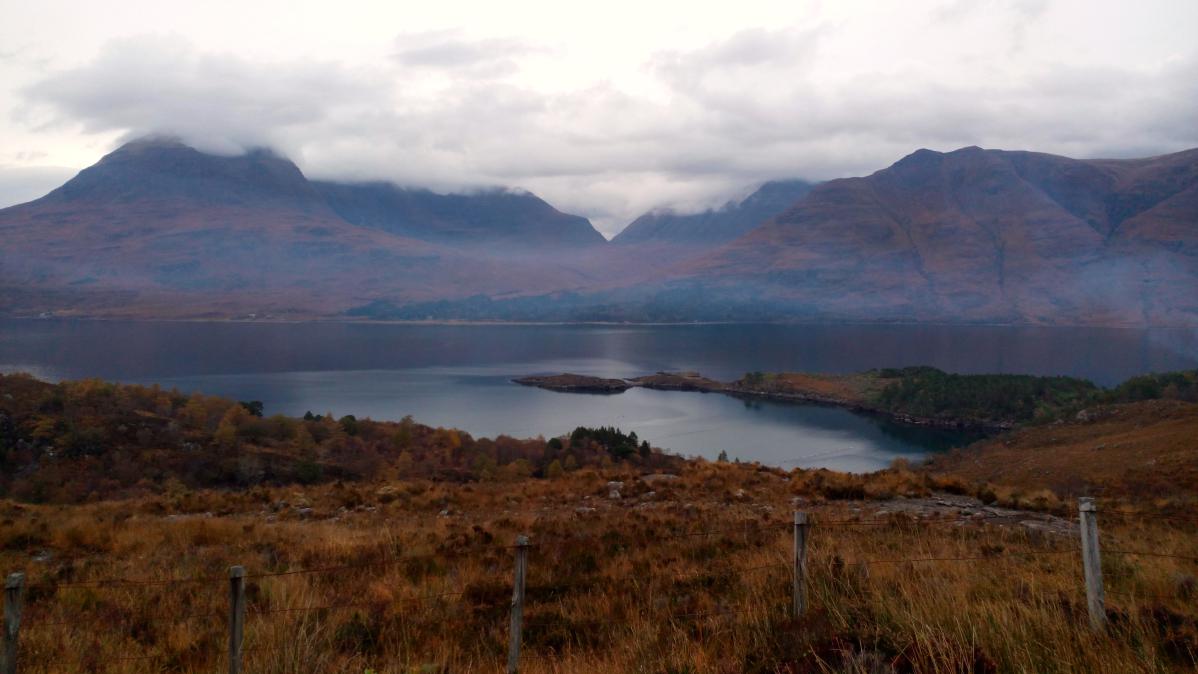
x: 14, y: 593
x: 800, y: 564
x: 513, y: 653
x: 236, y: 617
x: 1092, y: 562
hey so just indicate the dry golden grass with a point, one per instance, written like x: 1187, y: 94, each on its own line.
x: 1140, y: 449
x: 630, y: 586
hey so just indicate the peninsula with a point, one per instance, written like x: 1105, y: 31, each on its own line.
x: 920, y: 396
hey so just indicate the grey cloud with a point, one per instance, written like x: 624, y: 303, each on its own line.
x: 219, y: 102
x: 1073, y: 108
x: 452, y: 51
x: 959, y: 10
x: 1013, y: 16
x: 745, y: 53
x: 747, y: 48
x: 737, y: 112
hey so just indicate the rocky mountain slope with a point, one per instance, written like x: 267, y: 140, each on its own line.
x: 518, y: 221
x: 980, y: 235
x: 157, y: 227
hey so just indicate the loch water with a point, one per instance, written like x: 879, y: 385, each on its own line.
x: 460, y: 375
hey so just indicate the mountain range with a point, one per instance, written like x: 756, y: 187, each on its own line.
x: 983, y: 235
x: 159, y: 229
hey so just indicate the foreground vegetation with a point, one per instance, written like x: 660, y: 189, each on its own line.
x: 415, y: 576
x: 88, y: 440
x: 387, y: 548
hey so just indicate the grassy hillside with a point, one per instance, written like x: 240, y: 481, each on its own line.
x: 686, y: 574
x: 1145, y: 450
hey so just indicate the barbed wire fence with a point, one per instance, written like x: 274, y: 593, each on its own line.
x: 238, y: 608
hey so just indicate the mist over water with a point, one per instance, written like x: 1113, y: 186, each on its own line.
x: 459, y: 375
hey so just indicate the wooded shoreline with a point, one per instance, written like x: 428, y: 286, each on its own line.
x: 695, y: 382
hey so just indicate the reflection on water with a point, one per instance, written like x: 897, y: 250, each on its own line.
x: 460, y: 375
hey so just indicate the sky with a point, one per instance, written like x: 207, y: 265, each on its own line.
x: 606, y: 109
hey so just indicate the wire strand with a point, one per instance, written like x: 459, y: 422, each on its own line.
x: 1145, y: 553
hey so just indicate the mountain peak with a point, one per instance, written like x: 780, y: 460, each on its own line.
x: 163, y: 168
x: 926, y: 157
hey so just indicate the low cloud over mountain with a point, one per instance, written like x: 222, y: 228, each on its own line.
x: 686, y: 123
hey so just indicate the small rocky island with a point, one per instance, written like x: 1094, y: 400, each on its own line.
x: 576, y: 383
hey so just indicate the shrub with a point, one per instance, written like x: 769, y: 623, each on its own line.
x: 254, y: 407
x: 349, y: 424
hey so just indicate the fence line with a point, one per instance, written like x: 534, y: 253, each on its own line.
x: 1146, y: 553
x: 622, y: 621
x: 15, y: 586
x: 627, y: 578
x: 903, y: 519
x: 125, y: 582
x: 1152, y: 516
x: 983, y: 558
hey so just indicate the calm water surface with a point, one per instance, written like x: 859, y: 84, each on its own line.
x: 459, y: 375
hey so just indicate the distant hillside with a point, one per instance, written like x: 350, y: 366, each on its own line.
x: 517, y: 219
x: 1142, y: 450
x: 714, y: 226
x: 980, y: 235
x: 158, y: 228
x: 157, y: 217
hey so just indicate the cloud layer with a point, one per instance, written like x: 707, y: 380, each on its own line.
x: 694, y: 127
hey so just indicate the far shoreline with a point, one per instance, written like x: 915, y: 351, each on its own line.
x: 343, y: 320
